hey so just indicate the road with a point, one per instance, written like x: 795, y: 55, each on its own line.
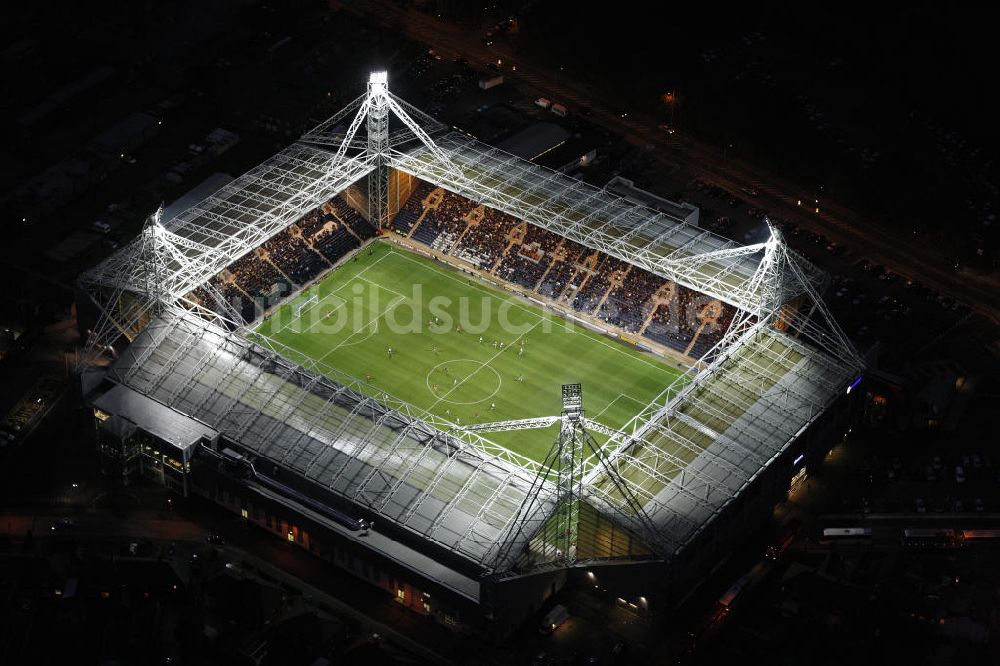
x: 920, y: 261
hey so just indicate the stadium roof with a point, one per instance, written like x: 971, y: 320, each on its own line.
x: 455, y: 492
x: 685, y: 457
x: 240, y: 216
x: 155, y: 418
x: 686, y: 461
x: 594, y: 217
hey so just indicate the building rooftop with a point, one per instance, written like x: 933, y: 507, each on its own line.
x: 154, y: 417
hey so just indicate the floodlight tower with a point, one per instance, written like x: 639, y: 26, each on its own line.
x: 562, y: 479
x: 136, y: 297
x: 378, y: 147
x: 570, y: 446
x: 152, y: 276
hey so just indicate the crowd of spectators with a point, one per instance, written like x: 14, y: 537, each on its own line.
x: 596, y: 285
x: 289, y: 260
x: 443, y: 224
x: 355, y: 220
x: 689, y: 317
x: 447, y: 218
x: 407, y: 216
x: 529, y: 261
x: 589, y: 281
x: 628, y: 304
x: 485, y: 242
x: 295, y: 258
x: 558, y: 277
x: 538, y: 260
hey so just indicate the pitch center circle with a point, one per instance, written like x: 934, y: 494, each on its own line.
x: 463, y: 381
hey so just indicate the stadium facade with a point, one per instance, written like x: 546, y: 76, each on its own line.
x: 441, y: 517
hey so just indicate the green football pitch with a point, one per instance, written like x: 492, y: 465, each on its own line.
x: 460, y: 349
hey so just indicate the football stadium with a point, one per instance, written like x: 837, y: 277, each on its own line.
x: 459, y: 375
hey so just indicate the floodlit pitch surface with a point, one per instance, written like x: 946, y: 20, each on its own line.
x: 444, y: 329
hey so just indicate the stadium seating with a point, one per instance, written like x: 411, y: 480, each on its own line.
x: 410, y: 212
x: 555, y: 267
x: 290, y: 259
x: 534, y: 258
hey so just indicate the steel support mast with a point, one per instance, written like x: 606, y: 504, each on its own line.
x: 378, y: 146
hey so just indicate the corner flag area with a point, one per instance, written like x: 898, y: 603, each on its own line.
x: 447, y: 343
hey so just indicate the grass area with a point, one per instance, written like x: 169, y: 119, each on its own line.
x: 445, y: 331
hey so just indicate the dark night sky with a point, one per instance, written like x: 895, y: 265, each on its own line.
x: 889, y: 109
x: 907, y: 127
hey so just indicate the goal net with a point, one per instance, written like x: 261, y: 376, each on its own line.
x: 304, y: 305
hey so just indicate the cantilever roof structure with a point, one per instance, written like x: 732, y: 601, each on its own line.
x: 216, y: 231
x: 594, y: 217
x: 684, y: 457
x: 379, y: 454
x: 687, y: 461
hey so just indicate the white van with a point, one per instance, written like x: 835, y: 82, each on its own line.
x: 553, y: 619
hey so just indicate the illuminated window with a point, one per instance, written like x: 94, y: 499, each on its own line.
x: 291, y: 536
x: 401, y: 594
x: 244, y: 513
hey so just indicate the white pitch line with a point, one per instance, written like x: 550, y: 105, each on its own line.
x: 362, y: 272
x: 486, y: 290
x: 332, y: 293
x: 377, y: 286
x: 321, y: 319
x: 595, y: 337
x: 481, y: 366
x: 392, y: 304
x: 309, y: 309
x: 620, y: 395
x: 381, y: 286
x: 344, y: 286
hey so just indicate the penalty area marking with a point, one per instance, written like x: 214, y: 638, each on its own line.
x: 597, y: 416
x: 319, y: 284
x: 373, y: 324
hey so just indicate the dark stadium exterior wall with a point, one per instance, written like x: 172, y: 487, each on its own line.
x: 420, y: 595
